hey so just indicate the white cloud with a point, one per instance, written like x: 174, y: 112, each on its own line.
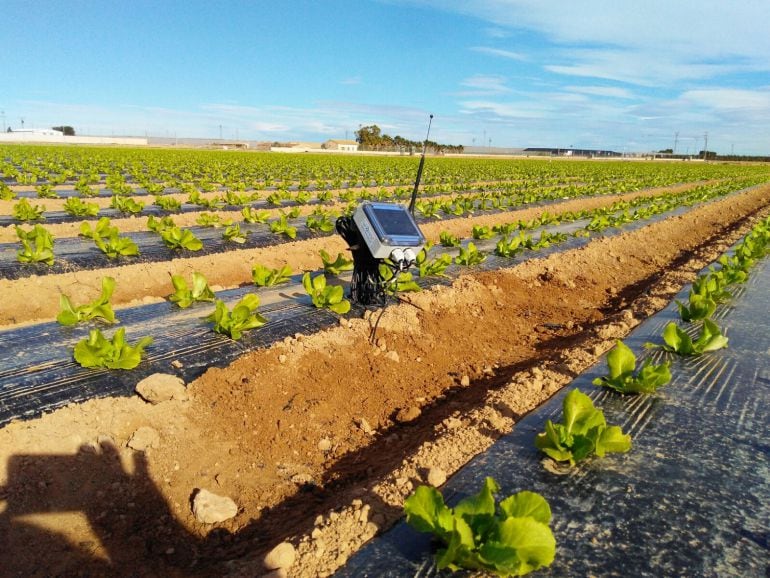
x: 740, y: 117
x: 749, y: 102
x: 505, y: 110
x: 641, y: 67
x: 735, y: 120
x: 496, y: 32
x: 499, y: 52
x: 708, y: 28
x: 353, y: 80
x: 608, y: 91
x: 124, y: 119
x: 269, y: 122
x: 374, y: 111
x: 643, y: 43
x: 268, y: 127
x: 484, y: 85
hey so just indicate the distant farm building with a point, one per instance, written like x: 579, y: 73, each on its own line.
x: 350, y: 146
x: 228, y: 145
x: 569, y: 152
x: 36, y: 131
x: 49, y: 135
x: 295, y: 147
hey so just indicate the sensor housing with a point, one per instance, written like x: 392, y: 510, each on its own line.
x: 387, y: 227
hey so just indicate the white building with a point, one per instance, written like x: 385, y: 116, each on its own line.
x: 33, y: 132
x: 350, y: 146
x: 49, y: 135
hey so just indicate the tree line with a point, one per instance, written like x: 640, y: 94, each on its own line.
x: 371, y: 138
x: 67, y: 130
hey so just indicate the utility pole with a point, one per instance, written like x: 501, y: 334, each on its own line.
x: 2, y: 113
x: 220, y: 132
x: 705, y: 146
x: 676, y: 140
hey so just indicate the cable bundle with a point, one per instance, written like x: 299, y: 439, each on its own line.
x: 367, y: 286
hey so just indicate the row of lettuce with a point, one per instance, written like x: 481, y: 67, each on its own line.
x: 37, y: 243
x: 212, y: 196
x: 513, y: 537
x: 169, y: 169
x: 116, y: 353
x: 437, y: 200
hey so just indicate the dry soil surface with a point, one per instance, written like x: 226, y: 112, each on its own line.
x: 318, y: 439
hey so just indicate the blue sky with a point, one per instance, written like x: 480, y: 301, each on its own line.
x: 624, y: 75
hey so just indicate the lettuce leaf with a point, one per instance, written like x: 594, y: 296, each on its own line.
x: 623, y: 376
x: 583, y: 433
x: 678, y: 341
x: 523, y: 545
x: 100, y: 308
x: 510, y: 540
x: 244, y: 316
x: 183, y: 296
x: 115, y: 353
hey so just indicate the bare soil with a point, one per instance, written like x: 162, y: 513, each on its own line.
x: 319, y: 438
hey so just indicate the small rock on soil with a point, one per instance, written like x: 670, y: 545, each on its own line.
x: 211, y: 509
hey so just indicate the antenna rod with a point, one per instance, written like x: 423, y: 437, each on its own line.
x: 419, y: 169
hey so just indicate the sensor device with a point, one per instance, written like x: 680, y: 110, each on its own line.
x: 384, y: 240
x: 388, y: 230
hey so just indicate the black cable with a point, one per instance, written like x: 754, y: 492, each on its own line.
x: 392, y: 281
x: 367, y: 286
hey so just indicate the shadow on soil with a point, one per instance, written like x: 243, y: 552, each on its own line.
x: 135, y: 532
x: 129, y: 518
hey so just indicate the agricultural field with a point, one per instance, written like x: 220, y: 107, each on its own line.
x: 313, y: 420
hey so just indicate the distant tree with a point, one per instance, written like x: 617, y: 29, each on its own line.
x: 707, y: 155
x: 369, y: 137
x: 667, y: 151
x: 67, y: 130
